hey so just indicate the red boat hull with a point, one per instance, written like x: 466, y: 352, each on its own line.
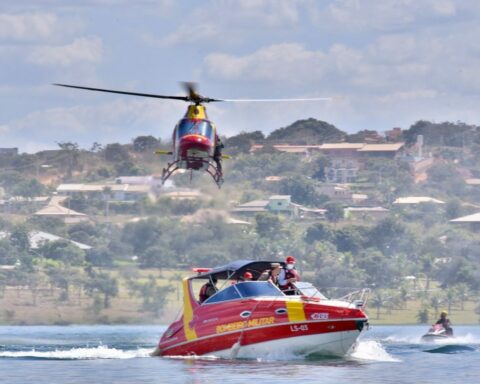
x: 216, y: 329
x: 327, y: 337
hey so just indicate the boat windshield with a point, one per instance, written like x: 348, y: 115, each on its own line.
x: 195, y: 127
x: 258, y: 288
x: 245, y: 289
x: 307, y: 289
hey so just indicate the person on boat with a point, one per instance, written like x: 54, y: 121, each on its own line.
x: 208, y: 289
x: 274, y: 273
x: 445, y: 323
x: 247, y: 276
x: 288, y: 276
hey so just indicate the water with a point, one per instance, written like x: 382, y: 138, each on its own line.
x: 120, y: 354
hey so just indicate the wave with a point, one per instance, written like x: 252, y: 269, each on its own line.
x: 100, y: 352
x: 468, y: 339
x: 370, y: 350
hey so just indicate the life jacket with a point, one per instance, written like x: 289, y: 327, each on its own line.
x: 289, y: 273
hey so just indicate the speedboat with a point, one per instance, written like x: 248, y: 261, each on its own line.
x: 435, y: 333
x: 254, y: 318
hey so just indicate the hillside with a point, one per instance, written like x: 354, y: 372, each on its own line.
x: 387, y: 229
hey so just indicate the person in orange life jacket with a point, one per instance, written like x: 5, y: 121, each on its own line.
x: 288, y: 276
x: 208, y: 289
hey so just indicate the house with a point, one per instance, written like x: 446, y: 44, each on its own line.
x: 472, y: 220
x: 391, y: 150
x: 55, y: 209
x: 202, y: 216
x: 341, y: 193
x: 473, y: 182
x: 278, y: 204
x: 412, y: 200
x: 104, y: 192
x: 38, y: 238
x: 366, y: 213
x: 183, y: 194
x: 16, y: 204
x: 395, y: 134
x: 252, y: 207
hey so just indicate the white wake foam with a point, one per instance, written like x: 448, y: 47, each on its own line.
x: 410, y: 339
x: 100, y: 352
x: 370, y: 350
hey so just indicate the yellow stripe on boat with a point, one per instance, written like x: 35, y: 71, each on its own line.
x: 190, y: 333
x: 295, y: 310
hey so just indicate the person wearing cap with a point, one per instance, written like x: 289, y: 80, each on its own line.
x: 288, y: 276
x: 445, y: 323
x: 247, y: 276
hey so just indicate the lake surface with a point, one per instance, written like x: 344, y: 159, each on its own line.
x: 120, y: 354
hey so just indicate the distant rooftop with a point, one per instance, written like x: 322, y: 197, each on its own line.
x: 417, y: 200
x: 475, y: 218
x: 359, y: 147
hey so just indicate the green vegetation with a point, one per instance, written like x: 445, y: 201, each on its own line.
x: 414, y: 260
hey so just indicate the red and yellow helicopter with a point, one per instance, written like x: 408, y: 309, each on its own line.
x: 196, y: 144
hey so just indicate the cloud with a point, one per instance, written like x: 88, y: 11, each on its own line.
x: 289, y: 63
x: 81, y: 50
x: 115, y: 121
x: 28, y: 26
x: 228, y: 22
x: 385, y: 15
x: 184, y: 35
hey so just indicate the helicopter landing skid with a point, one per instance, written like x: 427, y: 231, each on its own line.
x: 209, y: 165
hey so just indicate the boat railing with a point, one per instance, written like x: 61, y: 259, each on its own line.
x: 359, y: 297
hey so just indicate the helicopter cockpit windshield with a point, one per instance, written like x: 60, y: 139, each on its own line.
x: 195, y: 127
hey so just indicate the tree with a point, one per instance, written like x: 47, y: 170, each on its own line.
x: 102, y: 283
x: 267, y: 224
x: 378, y: 301
x: 453, y: 209
x: 334, y: 211
x: 154, y: 296
x: 318, y: 232
x: 318, y: 167
x: 71, y: 150
x: 29, y: 188
x: 63, y: 250
x: 243, y: 142
x: 116, y: 153
x: 309, y: 131
x: 302, y: 190
x: 145, y: 143
x: 422, y: 316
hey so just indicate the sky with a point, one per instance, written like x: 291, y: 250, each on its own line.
x: 384, y: 63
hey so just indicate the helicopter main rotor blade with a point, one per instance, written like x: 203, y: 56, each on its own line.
x: 183, y: 98
x: 277, y: 100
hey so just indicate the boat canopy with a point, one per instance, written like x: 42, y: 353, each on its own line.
x: 236, y: 269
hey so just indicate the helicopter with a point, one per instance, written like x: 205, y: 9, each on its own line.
x: 196, y: 143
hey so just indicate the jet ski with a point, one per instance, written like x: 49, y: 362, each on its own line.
x: 435, y: 333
